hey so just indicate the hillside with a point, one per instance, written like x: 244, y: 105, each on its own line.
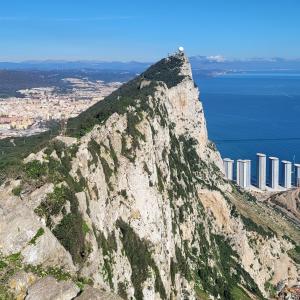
x: 288, y: 202
x: 132, y: 200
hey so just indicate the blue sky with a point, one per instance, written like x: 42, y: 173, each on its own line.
x: 147, y: 30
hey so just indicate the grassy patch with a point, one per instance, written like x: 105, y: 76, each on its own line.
x: 9, y: 266
x: 39, y: 233
x: 237, y: 293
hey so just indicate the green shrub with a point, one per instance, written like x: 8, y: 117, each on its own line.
x: 108, y: 172
x: 252, y: 226
x: 5, y: 294
x: 137, y: 252
x: 39, y: 233
x: 41, y: 271
x: 11, y: 156
x: 85, y: 228
x: 15, y: 257
x: 123, y: 193
x: 114, y: 156
x: 71, y: 235
x: 166, y: 70
x: 270, y: 289
x: 35, y: 169
x: 122, y: 290
x: 108, y: 246
x: 295, y: 254
x: 54, y: 203
x: 237, y: 293
x: 94, y: 149
x: 17, y: 190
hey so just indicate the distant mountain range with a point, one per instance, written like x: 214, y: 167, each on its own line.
x: 132, y: 66
x: 253, y: 64
x: 211, y: 63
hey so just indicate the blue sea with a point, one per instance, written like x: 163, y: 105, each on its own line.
x: 253, y: 112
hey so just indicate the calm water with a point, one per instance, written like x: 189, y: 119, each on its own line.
x: 250, y: 113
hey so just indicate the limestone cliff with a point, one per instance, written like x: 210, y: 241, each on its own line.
x: 132, y: 200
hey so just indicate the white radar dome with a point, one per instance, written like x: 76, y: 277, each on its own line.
x: 181, y: 49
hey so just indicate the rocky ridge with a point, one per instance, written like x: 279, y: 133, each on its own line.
x: 133, y: 200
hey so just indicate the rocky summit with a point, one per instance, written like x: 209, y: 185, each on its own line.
x: 129, y: 201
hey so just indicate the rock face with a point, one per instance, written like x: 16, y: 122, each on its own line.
x: 49, y: 289
x: 95, y: 294
x: 137, y: 204
x: 288, y: 202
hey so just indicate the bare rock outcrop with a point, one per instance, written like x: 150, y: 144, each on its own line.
x: 49, y: 289
x: 96, y: 294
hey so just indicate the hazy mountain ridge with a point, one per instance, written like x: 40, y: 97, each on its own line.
x: 133, y: 200
x: 11, y: 81
x: 251, y: 64
x: 51, y: 65
x: 198, y: 62
x: 28, y: 74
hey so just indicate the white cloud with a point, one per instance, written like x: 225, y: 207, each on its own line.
x: 216, y: 58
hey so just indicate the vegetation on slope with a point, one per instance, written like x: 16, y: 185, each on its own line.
x: 71, y: 230
x: 262, y: 218
x: 13, y: 152
x: 12, y: 264
x: 194, y: 262
x: 295, y: 254
x: 108, y: 246
x: 166, y: 70
x: 139, y: 256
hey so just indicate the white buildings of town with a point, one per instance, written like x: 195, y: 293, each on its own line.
x: 274, y: 172
x: 261, y: 171
x: 228, y: 168
x: 30, y: 114
x: 290, y: 174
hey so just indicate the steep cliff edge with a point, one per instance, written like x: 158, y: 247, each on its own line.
x: 132, y: 199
